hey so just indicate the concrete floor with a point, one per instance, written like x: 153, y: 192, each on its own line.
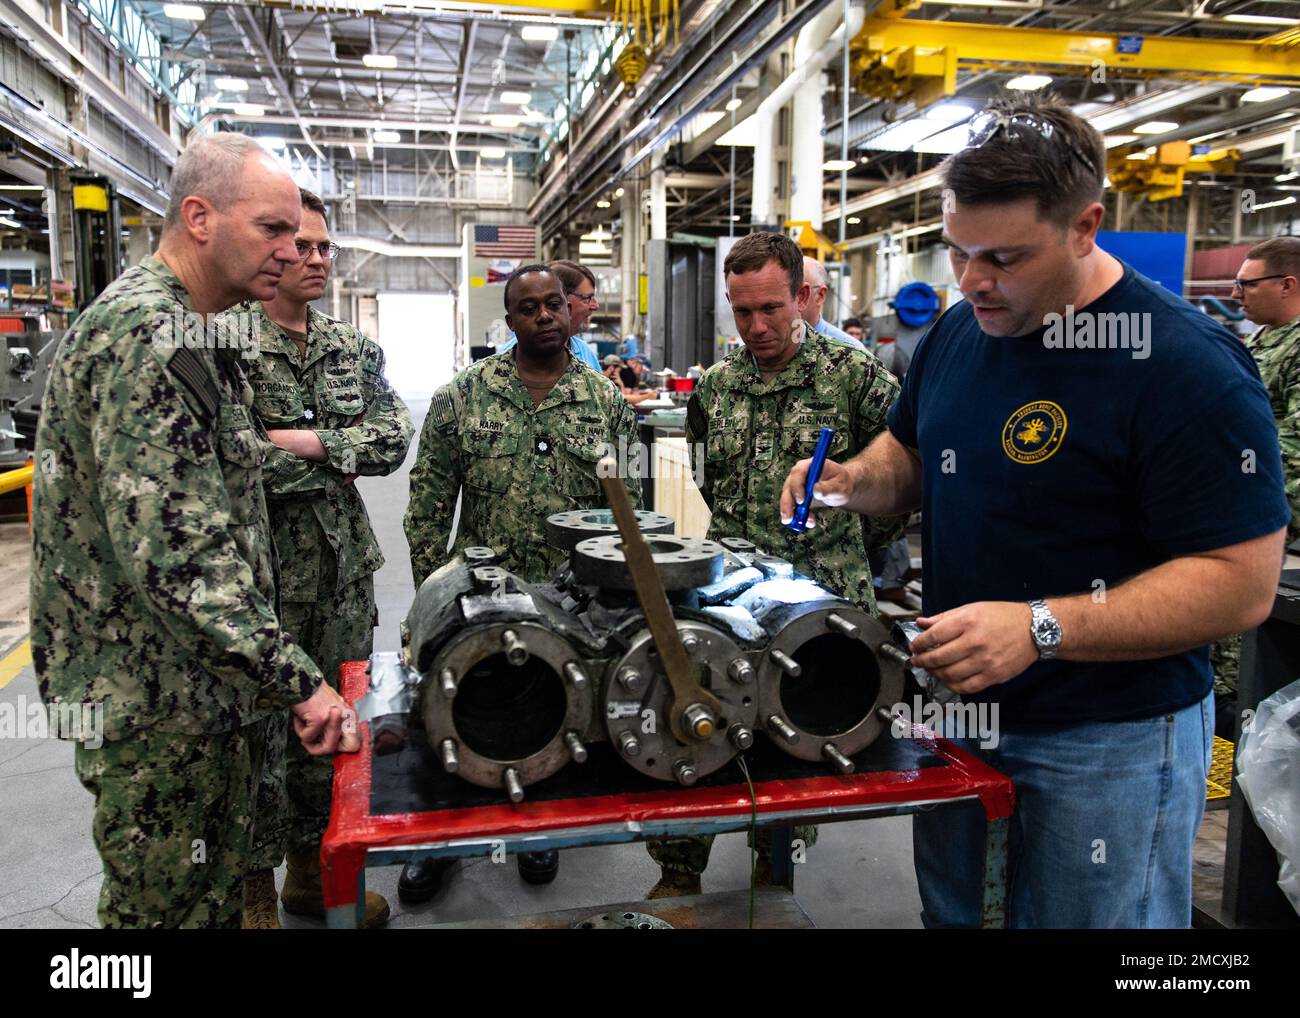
x: 859, y: 874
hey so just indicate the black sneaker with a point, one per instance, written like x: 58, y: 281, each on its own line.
x: 421, y: 880
x: 539, y: 867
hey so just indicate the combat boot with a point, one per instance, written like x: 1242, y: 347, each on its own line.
x: 302, y: 893
x: 674, y: 884
x: 261, y: 907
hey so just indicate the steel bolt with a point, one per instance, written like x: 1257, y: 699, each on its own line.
x: 628, y: 743
x: 788, y: 664
x: 513, y: 787
x: 684, y: 771
x: 741, y: 737
x: 740, y: 670
x: 576, y: 749
x: 450, y: 761
x: 842, y: 626
x: 630, y: 679
x: 894, y: 654
x: 842, y: 763
x: 778, y: 725
x: 690, y: 643
x: 448, y: 680
x: 575, y: 675
x: 698, y: 720
x: 515, y: 648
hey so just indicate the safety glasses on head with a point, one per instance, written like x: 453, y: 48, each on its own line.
x: 1020, y: 127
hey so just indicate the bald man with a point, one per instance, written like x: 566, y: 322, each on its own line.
x: 815, y: 273
x: 153, y: 586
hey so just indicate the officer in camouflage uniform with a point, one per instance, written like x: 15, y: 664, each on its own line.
x: 319, y: 389
x: 520, y: 438
x: 755, y: 415
x: 152, y: 587
x: 518, y: 435
x: 1268, y: 286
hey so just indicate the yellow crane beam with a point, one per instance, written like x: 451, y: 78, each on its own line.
x: 1274, y: 58
x: 1159, y: 174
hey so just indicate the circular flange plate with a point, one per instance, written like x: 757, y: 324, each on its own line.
x: 622, y: 921
x: 836, y: 673
x: 547, y: 652
x: 564, y: 530
x: 682, y: 562
x: 642, y: 711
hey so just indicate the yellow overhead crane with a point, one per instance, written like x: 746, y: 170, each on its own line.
x: 1159, y: 174
x: 905, y: 59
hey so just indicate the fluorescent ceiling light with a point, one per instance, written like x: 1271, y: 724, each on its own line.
x: 248, y: 109
x: 1029, y: 82
x: 1287, y: 176
x: 386, y: 137
x: 539, y: 33
x: 230, y: 84
x: 853, y: 220
x: 949, y: 112
x: 380, y: 61
x: 1114, y: 140
x: 33, y: 187
x: 1156, y: 127
x: 505, y: 120
x: 1264, y: 93
x: 1136, y: 156
x: 516, y: 98
x: 732, y: 104
x: 271, y: 141
x: 704, y: 121
x: 19, y: 226
x: 743, y: 135
x: 903, y: 136
x: 492, y: 152
x: 1266, y: 205
x: 184, y: 12
x: 602, y: 204
x: 838, y: 165
x: 954, y: 139
x: 619, y: 192
x: 1259, y: 19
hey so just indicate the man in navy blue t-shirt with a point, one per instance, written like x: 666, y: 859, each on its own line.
x: 1098, y: 470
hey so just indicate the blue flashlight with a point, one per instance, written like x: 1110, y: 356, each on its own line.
x: 800, y: 522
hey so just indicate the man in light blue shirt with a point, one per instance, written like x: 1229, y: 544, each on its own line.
x: 815, y: 274
x: 580, y: 288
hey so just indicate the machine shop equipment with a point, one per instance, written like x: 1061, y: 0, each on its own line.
x: 511, y: 681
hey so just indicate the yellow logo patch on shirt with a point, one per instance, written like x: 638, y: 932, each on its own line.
x: 1034, y: 432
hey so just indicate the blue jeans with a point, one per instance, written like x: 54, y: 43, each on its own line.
x: 1106, y: 817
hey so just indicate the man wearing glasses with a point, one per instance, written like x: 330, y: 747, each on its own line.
x: 579, y: 284
x: 1094, y: 514
x: 319, y: 390
x: 1268, y: 286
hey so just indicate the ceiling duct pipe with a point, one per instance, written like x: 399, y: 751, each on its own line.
x: 816, y: 45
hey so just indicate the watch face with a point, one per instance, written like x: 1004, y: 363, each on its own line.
x: 1047, y: 632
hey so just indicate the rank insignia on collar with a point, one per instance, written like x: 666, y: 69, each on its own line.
x: 309, y: 413
x: 543, y: 445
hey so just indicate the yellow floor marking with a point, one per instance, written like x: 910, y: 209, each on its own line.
x: 14, y: 662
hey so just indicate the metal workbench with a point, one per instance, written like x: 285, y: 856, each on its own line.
x: 402, y: 806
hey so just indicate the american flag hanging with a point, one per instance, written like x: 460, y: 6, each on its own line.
x: 505, y: 241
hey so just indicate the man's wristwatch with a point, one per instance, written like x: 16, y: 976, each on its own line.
x: 1045, y: 630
